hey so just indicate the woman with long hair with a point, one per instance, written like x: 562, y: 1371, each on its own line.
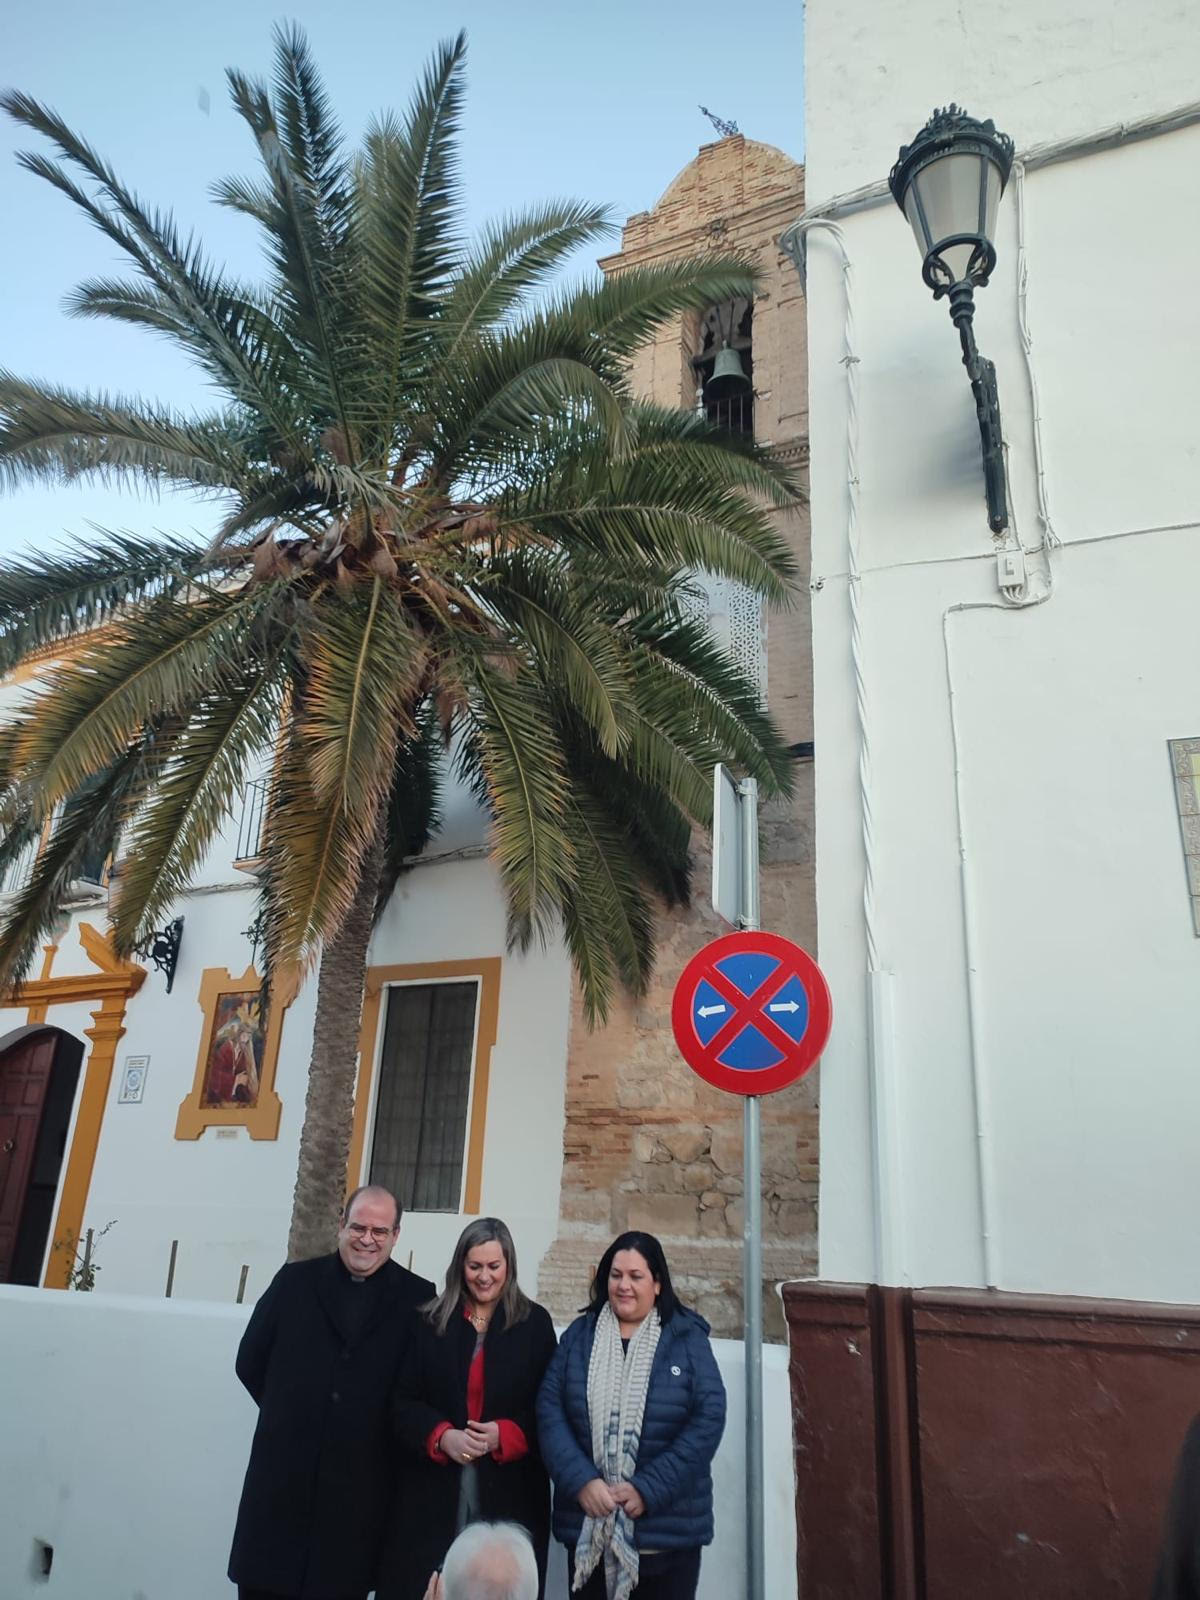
x: 630, y: 1414
x: 464, y: 1413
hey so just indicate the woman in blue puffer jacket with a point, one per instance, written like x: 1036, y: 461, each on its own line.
x: 630, y: 1414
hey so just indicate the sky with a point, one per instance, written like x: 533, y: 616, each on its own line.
x: 596, y: 102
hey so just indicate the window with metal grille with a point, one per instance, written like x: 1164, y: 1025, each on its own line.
x: 419, y: 1145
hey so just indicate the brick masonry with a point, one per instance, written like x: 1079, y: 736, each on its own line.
x: 647, y: 1143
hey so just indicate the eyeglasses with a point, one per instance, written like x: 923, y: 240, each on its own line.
x: 360, y: 1231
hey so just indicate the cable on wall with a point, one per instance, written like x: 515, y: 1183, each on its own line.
x: 891, y: 1265
x: 795, y: 242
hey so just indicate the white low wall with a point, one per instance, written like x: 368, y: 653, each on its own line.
x: 124, y: 1436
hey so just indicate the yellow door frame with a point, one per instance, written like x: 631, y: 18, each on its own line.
x: 111, y: 986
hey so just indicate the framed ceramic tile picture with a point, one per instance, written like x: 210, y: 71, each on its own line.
x: 234, y: 1082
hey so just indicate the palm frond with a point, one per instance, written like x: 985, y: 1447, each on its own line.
x: 95, y: 814
x: 302, y: 226
x: 54, y: 435
x: 565, y: 635
x: 484, y: 410
x: 313, y: 856
x: 310, y: 132
x: 414, y: 806
x: 46, y: 597
x: 195, y: 796
x: 607, y: 920
x: 219, y: 328
x: 511, y: 258
x: 511, y: 743
x: 622, y: 312
x: 364, y: 666
x: 692, y: 691
x: 162, y: 660
x: 406, y: 227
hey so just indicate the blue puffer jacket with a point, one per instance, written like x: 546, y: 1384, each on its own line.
x: 681, y: 1429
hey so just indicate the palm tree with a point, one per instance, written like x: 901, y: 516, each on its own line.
x: 445, y: 525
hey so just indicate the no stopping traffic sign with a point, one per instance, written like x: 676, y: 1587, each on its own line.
x: 751, y: 1012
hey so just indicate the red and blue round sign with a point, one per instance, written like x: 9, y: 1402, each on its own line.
x: 751, y: 1013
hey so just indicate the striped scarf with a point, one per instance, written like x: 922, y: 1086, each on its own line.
x: 617, y: 1384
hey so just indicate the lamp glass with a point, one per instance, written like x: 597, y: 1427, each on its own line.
x: 949, y: 193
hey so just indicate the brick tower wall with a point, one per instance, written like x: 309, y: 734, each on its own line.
x: 647, y: 1143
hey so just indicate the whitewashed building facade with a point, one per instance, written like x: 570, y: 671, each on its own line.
x: 1008, y: 782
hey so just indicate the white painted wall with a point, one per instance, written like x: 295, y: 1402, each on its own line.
x: 873, y: 73
x: 126, y: 1435
x: 1081, y: 1143
x: 226, y: 1197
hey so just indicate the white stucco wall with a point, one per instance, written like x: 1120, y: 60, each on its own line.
x: 126, y: 1435
x: 1080, y: 1143
x: 874, y: 71
x: 227, y: 1198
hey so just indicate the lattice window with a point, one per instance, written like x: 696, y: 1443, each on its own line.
x: 420, y: 1138
x: 737, y: 621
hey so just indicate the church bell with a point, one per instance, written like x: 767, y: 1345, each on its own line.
x: 728, y: 377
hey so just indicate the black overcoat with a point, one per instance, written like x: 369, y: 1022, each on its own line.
x: 432, y: 1388
x: 322, y: 1475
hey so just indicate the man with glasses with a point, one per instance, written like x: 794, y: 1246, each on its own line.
x: 319, y: 1356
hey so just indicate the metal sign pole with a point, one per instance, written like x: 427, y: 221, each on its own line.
x: 752, y: 1239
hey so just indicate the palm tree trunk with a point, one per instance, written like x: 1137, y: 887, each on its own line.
x: 333, y: 1069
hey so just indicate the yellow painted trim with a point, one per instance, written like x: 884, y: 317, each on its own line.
x: 106, y: 1032
x: 100, y: 951
x: 68, y: 990
x: 37, y: 1011
x: 487, y: 970
x: 261, y: 1120
x: 112, y: 985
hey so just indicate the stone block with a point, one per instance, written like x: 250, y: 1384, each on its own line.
x: 686, y: 1144
x: 644, y: 1145
x: 676, y: 1216
x: 587, y: 1205
x: 727, y: 1148
x: 695, y: 1178
x: 794, y: 1219
x: 713, y: 1224
x: 663, y: 1179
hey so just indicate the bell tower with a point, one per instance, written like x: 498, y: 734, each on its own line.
x: 647, y: 1144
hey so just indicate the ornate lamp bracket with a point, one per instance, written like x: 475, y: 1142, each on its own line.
x: 161, y: 948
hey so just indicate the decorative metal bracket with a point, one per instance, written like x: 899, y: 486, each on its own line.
x: 982, y: 374
x: 162, y: 949
x: 256, y: 933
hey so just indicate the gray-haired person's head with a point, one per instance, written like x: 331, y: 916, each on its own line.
x: 491, y: 1561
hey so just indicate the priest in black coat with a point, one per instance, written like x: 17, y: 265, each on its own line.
x: 320, y: 1356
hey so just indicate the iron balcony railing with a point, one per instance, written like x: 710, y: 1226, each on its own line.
x: 250, y: 827
x: 736, y: 413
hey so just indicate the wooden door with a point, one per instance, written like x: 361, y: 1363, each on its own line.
x: 24, y: 1076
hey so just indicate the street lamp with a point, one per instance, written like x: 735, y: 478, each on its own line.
x: 948, y: 183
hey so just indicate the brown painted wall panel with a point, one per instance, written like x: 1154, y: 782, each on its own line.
x: 833, y: 1420
x: 1048, y: 1433
x: 959, y: 1442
